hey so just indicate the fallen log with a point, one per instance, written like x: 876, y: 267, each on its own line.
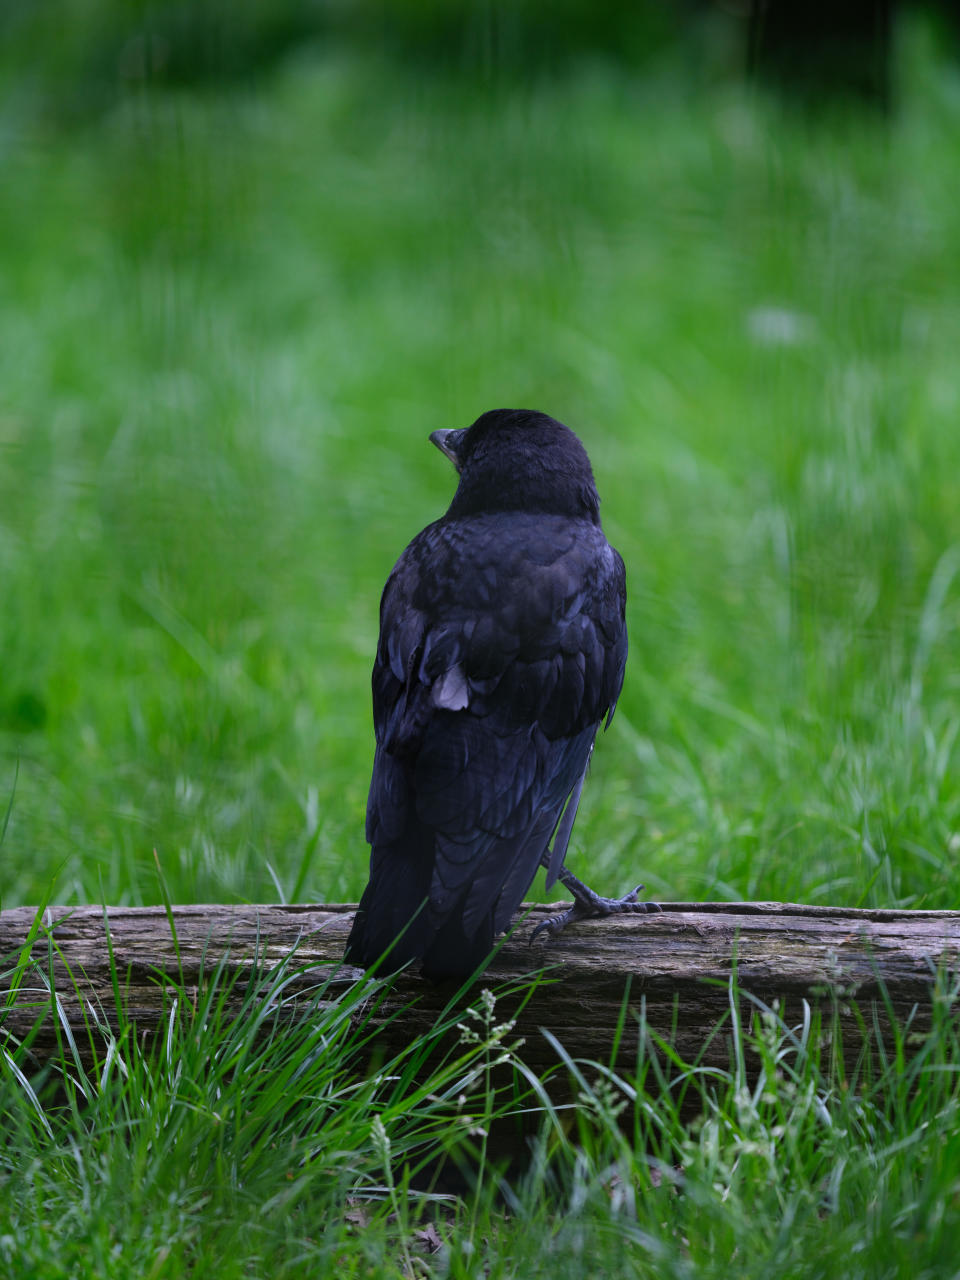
x: 869, y: 969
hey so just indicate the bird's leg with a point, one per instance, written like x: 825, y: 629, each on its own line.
x: 588, y: 905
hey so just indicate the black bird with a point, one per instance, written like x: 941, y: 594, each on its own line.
x: 502, y: 648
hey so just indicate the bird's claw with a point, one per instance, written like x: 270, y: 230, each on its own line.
x: 553, y: 925
x: 590, y: 906
x: 628, y: 904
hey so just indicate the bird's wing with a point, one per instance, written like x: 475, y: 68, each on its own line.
x: 502, y: 647
x: 564, y: 829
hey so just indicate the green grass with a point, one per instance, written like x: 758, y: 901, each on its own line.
x: 227, y: 325
x: 228, y: 321
x: 238, y: 1146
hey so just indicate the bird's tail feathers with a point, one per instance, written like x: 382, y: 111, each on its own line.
x: 392, y: 923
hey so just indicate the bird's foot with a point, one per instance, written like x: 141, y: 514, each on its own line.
x: 588, y: 905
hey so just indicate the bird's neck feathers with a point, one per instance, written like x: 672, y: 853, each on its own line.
x: 543, y: 485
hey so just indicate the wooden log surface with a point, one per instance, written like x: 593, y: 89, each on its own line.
x: 675, y: 965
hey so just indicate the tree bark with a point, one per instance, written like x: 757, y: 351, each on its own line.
x: 868, y: 969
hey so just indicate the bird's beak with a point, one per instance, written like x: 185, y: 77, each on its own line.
x: 448, y: 441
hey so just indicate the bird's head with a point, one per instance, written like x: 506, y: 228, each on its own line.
x: 520, y: 460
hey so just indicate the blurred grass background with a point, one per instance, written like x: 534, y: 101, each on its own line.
x: 248, y: 261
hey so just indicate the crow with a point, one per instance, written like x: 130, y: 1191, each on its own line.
x: 502, y: 648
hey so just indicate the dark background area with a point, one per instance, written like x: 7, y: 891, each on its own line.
x: 83, y: 55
